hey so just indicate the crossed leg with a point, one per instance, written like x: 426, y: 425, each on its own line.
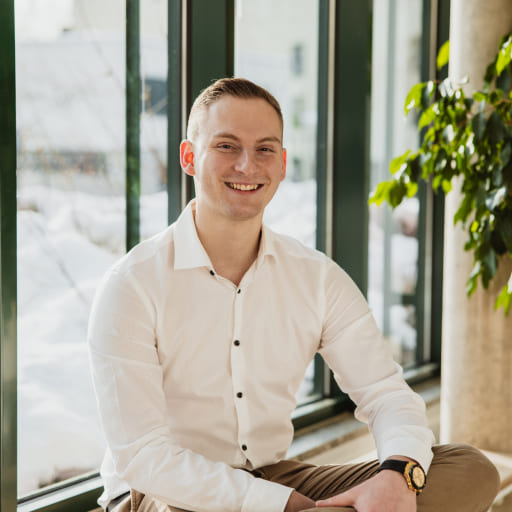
x: 460, y: 479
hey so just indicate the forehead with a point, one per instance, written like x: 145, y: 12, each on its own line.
x: 243, y: 117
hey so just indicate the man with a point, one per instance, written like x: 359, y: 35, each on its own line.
x: 200, y: 338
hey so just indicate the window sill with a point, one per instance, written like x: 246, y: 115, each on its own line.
x: 79, y: 495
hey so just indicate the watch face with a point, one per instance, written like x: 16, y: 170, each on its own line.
x: 418, y: 477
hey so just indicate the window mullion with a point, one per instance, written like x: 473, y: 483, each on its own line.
x: 175, y: 110
x: 133, y: 111
x: 351, y: 138
x: 8, y: 301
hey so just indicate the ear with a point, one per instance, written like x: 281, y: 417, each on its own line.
x: 187, y: 157
x: 283, y: 174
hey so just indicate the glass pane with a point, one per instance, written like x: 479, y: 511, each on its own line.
x: 70, y: 76
x: 393, y: 242
x: 283, y: 58
x: 285, y: 61
x: 153, y: 127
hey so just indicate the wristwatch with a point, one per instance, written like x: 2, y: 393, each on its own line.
x: 412, y: 471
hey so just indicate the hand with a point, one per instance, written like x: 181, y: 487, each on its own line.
x: 297, y: 502
x: 387, y: 491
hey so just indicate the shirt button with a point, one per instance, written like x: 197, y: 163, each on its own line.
x: 239, y: 290
x: 244, y: 447
x: 236, y: 343
x: 239, y: 394
x: 212, y: 272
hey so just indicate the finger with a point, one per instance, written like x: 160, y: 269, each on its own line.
x: 340, y: 500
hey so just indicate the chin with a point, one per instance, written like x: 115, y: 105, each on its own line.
x: 242, y: 215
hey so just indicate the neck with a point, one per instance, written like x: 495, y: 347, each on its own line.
x: 231, y: 245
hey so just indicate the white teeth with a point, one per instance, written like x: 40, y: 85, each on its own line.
x: 239, y: 186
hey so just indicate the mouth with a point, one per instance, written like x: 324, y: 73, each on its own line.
x: 243, y: 187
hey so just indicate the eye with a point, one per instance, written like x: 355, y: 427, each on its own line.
x: 266, y: 150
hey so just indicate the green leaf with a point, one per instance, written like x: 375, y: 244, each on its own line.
x: 412, y: 189
x: 504, y: 299
x: 397, y: 193
x: 473, y: 279
x: 397, y: 162
x: 392, y: 191
x: 497, y: 243
x: 381, y: 193
x: 480, y: 96
x: 496, y: 128
x: 478, y: 125
x: 413, y: 99
x: 503, y: 81
x: 504, y: 56
x: 490, y: 73
x: 447, y: 186
x: 444, y: 55
x: 438, y: 178
x: 427, y: 117
x: 506, y: 153
x: 496, y: 198
x: 490, y: 264
x: 464, y: 210
x: 504, y: 227
x: 415, y: 164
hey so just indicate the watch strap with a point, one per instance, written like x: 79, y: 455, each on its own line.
x: 394, y: 464
x: 405, y: 468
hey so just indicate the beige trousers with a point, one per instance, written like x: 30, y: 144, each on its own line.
x: 460, y: 479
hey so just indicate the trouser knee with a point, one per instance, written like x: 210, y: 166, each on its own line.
x: 460, y: 478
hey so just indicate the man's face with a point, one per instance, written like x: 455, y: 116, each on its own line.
x: 237, y: 158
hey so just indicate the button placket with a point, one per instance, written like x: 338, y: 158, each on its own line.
x: 238, y: 371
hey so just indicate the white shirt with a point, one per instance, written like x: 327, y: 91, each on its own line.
x: 196, y: 378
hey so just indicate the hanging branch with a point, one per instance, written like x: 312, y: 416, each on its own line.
x: 469, y: 138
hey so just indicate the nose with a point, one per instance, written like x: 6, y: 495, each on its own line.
x: 244, y: 163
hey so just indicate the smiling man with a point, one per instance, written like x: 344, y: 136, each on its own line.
x: 200, y: 338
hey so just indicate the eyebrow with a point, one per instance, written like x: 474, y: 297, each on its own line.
x: 227, y: 135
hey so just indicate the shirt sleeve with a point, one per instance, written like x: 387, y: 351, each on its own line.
x: 128, y: 381
x: 363, y: 366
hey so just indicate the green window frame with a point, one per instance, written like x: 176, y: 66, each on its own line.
x: 196, y: 55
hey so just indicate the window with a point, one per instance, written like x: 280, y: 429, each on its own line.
x: 70, y: 187
x: 398, y: 287
x: 393, y: 238
x: 71, y: 210
x: 71, y: 214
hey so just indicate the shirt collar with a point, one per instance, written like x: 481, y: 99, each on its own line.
x: 188, y: 250
x: 190, y: 253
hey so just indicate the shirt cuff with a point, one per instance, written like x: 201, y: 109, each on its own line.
x: 408, y: 448
x: 265, y: 496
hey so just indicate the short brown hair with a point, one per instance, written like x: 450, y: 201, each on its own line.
x: 237, y: 87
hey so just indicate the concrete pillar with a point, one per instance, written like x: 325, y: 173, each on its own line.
x: 476, y: 387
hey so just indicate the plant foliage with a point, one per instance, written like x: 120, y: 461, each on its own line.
x: 468, y: 138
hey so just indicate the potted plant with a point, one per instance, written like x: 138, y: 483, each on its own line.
x: 468, y: 140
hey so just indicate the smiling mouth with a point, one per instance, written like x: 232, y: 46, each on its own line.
x: 243, y: 187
